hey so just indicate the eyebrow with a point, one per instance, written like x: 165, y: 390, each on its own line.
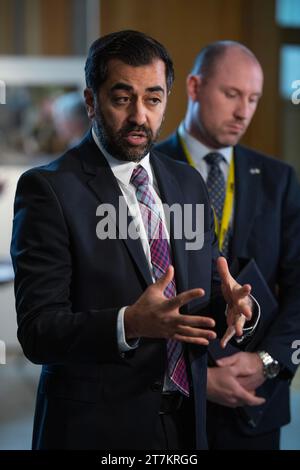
x: 256, y: 93
x: 125, y: 87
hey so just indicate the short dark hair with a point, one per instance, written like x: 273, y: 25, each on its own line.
x: 209, y: 56
x: 131, y: 47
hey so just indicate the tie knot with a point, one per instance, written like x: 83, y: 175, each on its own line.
x: 214, y: 158
x: 139, y: 177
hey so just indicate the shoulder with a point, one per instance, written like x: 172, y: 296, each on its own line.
x: 274, y: 172
x: 67, y: 164
x: 262, y: 160
x: 41, y: 178
x: 172, y: 147
x: 169, y: 142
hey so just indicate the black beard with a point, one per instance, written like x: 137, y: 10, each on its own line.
x: 115, y: 144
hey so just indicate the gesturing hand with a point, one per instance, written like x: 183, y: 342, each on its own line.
x: 153, y: 315
x: 238, y: 301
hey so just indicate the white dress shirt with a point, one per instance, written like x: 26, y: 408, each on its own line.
x: 198, y: 151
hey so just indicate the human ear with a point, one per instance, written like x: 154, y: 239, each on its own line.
x: 89, y: 101
x: 193, y: 83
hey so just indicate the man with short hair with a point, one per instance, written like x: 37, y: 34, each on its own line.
x: 257, y: 213
x: 109, y: 300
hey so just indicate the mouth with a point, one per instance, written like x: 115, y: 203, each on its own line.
x: 236, y: 128
x: 136, y: 138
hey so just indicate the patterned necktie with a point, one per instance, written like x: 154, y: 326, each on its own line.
x: 216, y: 183
x: 216, y: 188
x: 160, y: 260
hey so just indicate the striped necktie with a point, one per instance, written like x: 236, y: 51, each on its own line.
x: 160, y: 260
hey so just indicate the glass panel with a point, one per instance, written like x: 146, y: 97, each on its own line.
x: 290, y: 110
x: 289, y: 70
x: 288, y: 13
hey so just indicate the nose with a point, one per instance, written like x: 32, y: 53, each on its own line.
x: 242, y: 110
x: 137, y: 113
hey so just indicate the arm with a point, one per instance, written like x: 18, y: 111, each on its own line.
x: 49, y: 330
x: 286, y: 326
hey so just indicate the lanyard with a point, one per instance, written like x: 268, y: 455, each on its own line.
x: 221, y: 228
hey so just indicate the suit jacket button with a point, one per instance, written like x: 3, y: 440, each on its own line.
x: 156, y: 386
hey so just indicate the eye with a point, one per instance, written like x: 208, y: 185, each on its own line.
x: 154, y: 100
x: 254, y: 99
x: 230, y: 94
x: 121, y: 99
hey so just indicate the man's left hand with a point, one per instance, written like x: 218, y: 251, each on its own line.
x: 247, y: 367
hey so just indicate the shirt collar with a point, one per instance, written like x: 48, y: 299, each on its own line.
x: 198, y: 150
x: 123, y: 170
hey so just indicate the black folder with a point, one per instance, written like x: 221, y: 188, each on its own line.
x: 250, y: 274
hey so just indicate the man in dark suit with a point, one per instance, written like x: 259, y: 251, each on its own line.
x: 259, y: 219
x: 114, y: 307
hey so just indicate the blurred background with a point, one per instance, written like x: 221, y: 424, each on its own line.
x: 43, y: 44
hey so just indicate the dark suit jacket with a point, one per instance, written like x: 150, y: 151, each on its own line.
x: 69, y: 288
x: 266, y: 228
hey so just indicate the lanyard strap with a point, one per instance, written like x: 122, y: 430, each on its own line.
x: 221, y: 229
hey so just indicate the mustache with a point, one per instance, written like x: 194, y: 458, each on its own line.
x: 134, y: 127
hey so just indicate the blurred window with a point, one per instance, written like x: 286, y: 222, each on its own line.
x: 288, y: 13
x: 289, y: 69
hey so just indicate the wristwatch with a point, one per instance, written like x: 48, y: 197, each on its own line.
x: 271, y: 367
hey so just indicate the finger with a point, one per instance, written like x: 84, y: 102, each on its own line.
x: 192, y: 340
x: 196, y: 321
x: 245, y: 310
x: 250, y: 398
x: 228, y: 361
x: 242, y: 291
x: 238, y: 300
x: 165, y: 280
x: 195, y: 332
x: 238, y: 323
x: 229, y: 333
x: 238, y: 312
x: 223, y: 270
x: 183, y: 298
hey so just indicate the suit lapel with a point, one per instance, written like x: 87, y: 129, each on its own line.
x: 170, y: 193
x: 247, y: 194
x: 105, y: 186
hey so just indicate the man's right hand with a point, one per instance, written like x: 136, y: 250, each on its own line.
x: 153, y: 315
x: 224, y: 389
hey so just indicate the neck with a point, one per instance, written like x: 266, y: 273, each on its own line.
x: 196, y: 133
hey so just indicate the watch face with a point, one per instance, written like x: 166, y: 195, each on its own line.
x: 273, y: 369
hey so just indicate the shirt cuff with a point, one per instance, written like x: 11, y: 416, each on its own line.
x: 123, y: 345
x: 250, y: 326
